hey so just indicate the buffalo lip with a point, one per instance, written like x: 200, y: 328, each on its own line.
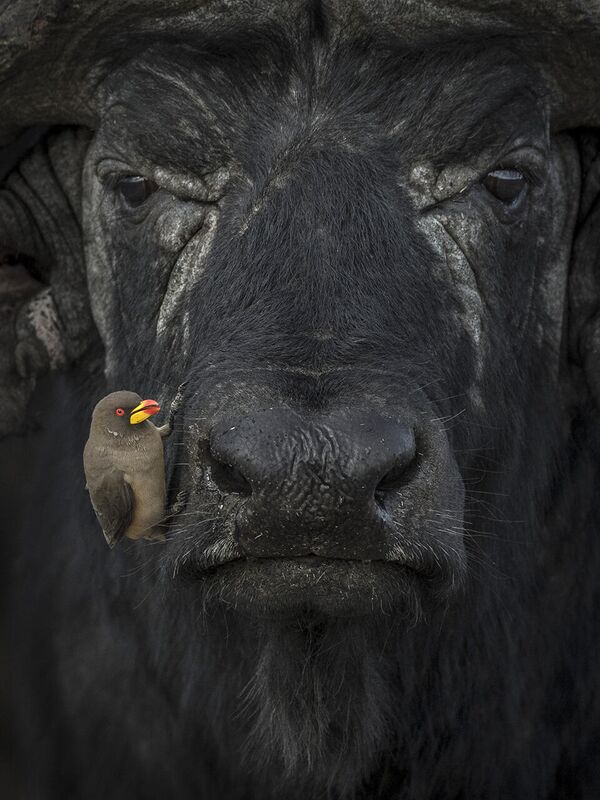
x: 309, y: 561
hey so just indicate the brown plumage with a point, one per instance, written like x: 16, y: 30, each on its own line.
x: 124, y: 467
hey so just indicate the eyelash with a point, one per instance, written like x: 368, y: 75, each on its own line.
x: 530, y: 174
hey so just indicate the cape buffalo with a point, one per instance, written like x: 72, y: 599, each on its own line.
x: 366, y: 237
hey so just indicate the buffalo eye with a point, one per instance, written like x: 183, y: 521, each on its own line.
x: 135, y: 189
x: 120, y: 412
x: 506, y: 185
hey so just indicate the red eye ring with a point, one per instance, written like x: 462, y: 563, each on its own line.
x: 120, y: 412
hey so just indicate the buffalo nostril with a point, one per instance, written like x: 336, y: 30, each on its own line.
x: 229, y: 478
x: 394, y: 479
x: 400, y: 474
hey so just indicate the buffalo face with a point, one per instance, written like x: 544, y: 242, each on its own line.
x: 356, y: 261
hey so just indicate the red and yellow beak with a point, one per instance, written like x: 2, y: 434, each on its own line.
x: 145, y: 409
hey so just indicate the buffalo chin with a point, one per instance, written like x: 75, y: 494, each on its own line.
x: 310, y: 586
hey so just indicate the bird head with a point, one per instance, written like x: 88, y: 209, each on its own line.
x: 119, y: 410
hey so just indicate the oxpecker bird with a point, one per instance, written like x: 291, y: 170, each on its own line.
x: 124, y: 467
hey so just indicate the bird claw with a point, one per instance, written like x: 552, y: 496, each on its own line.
x: 175, y: 406
x: 178, y: 504
x: 178, y: 399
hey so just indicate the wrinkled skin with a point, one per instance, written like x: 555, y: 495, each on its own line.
x: 379, y: 583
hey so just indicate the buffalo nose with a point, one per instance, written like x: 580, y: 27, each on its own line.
x: 311, y: 485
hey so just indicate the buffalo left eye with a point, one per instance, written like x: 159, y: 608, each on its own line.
x: 507, y: 185
x: 135, y: 189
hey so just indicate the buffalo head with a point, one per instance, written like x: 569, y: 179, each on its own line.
x: 370, y: 253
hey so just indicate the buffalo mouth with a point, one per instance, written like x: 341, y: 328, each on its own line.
x: 341, y: 587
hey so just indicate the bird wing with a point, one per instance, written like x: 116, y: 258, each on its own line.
x: 112, y: 500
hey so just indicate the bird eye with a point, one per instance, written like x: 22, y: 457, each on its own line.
x: 135, y: 189
x: 120, y: 412
x: 507, y: 185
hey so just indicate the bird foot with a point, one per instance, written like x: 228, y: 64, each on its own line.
x: 175, y: 406
x: 178, y: 504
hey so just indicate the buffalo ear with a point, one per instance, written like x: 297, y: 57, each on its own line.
x: 45, y: 318
x: 584, y: 280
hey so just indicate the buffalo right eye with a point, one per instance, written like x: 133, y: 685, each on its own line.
x: 135, y: 189
x: 507, y: 185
